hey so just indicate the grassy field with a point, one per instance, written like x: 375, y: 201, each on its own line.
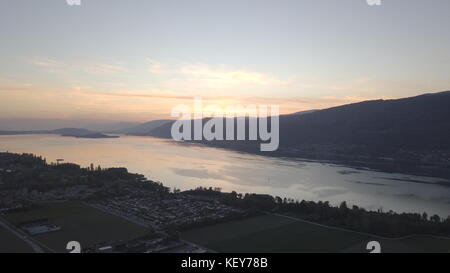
x: 271, y: 233
x: 10, y: 243
x: 209, y: 235
x: 416, y: 244
x: 80, y: 223
x: 268, y: 233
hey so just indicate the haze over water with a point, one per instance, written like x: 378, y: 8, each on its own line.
x: 186, y: 166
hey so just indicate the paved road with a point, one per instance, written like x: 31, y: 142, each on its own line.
x: 21, y: 235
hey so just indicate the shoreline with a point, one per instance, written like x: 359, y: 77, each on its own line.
x: 370, y: 204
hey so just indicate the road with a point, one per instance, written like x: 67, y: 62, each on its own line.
x: 23, y: 236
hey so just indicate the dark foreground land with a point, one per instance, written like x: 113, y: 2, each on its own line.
x: 78, y: 222
x: 44, y: 206
x: 280, y: 233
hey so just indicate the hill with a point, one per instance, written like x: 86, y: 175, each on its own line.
x: 408, y: 132
x: 69, y: 132
x: 144, y: 128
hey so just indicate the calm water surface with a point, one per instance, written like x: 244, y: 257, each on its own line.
x: 187, y: 166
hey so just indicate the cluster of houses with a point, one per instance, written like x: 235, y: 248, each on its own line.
x: 77, y: 192
x: 180, y: 210
x: 10, y: 202
x: 4, y: 174
x: 17, y: 199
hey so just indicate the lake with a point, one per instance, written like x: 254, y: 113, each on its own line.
x: 186, y: 166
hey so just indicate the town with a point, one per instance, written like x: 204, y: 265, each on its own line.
x: 29, y: 185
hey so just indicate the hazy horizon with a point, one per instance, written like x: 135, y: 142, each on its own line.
x: 25, y: 124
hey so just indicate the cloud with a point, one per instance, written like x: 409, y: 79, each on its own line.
x: 162, y: 100
x: 47, y: 62
x: 211, y: 76
x: 222, y: 75
x: 157, y: 68
x: 93, y: 67
x: 169, y: 85
x: 168, y: 95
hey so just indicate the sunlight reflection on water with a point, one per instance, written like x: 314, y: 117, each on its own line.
x: 188, y: 166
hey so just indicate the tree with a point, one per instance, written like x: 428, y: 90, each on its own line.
x: 435, y: 218
x: 234, y: 194
x: 343, y: 206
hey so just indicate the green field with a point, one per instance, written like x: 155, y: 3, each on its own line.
x: 268, y: 233
x: 80, y: 223
x: 273, y: 233
x: 10, y: 243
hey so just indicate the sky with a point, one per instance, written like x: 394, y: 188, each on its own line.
x: 135, y: 60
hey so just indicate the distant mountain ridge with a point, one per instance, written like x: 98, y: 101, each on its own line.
x: 408, y: 131
x: 143, y: 128
x: 304, y: 112
x: 41, y: 124
x: 414, y: 123
x: 421, y: 122
x: 70, y: 132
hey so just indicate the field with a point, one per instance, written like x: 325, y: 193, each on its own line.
x: 80, y: 223
x: 268, y: 233
x: 272, y: 233
x: 10, y: 243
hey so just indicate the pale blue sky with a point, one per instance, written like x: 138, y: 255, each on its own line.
x: 135, y: 58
